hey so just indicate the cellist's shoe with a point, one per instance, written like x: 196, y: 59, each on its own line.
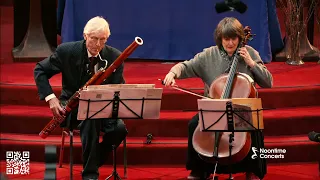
x: 251, y: 176
x: 197, y: 175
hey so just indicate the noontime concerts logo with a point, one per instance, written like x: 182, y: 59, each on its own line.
x: 264, y: 153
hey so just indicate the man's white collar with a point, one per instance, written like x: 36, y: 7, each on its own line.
x: 90, y: 55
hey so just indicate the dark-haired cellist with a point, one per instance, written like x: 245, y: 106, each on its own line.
x: 208, y: 65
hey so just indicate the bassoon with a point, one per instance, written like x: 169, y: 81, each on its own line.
x: 96, y: 79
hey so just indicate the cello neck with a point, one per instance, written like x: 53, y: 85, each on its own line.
x: 233, y: 69
x: 228, y: 86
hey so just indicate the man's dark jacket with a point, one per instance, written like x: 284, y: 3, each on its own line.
x: 71, y: 59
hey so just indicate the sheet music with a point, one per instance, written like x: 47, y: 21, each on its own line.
x: 247, y: 106
x: 108, y: 86
x: 208, y: 117
x: 151, y: 108
x: 255, y: 104
x: 242, y: 117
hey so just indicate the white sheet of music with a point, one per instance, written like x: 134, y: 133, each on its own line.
x: 208, y: 117
x: 240, y: 104
x: 151, y: 108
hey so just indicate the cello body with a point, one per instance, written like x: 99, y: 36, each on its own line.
x: 243, y: 87
x: 204, y: 142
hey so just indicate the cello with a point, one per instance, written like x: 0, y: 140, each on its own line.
x: 213, y: 146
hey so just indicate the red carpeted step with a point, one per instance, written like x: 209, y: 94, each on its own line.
x: 14, y: 118
x: 282, y: 97
x: 22, y: 94
x: 176, y: 100
x: 285, y: 121
x: 141, y: 153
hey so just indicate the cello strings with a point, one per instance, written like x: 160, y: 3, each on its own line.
x: 227, y: 89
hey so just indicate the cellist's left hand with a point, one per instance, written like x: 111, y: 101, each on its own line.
x: 243, y: 52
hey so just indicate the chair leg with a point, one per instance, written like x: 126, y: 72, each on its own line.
x: 61, y: 148
x: 71, y: 154
x: 125, y: 157
x: 319, y: 163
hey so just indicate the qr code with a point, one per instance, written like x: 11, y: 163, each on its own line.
x: 18, y: 162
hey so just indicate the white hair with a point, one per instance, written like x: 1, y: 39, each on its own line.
x: 95, y: 24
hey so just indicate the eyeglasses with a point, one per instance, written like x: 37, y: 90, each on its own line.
x: 96, y: 39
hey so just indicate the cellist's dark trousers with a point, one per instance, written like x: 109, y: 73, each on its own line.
x: 256, y: 166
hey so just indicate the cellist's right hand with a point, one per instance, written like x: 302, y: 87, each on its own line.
x: 56, y: 108
x: 169, y: 79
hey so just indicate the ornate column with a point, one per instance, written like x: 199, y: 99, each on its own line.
x: 35, y: 45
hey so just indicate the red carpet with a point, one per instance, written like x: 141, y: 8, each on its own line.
x: 149, y: 72
x: 304, y: 171
x: 293, y: 110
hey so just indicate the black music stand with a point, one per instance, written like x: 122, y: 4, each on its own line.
x: 100, y: 107
x: 247, y: 119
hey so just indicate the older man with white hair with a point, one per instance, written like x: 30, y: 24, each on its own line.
x: 78, y: 61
